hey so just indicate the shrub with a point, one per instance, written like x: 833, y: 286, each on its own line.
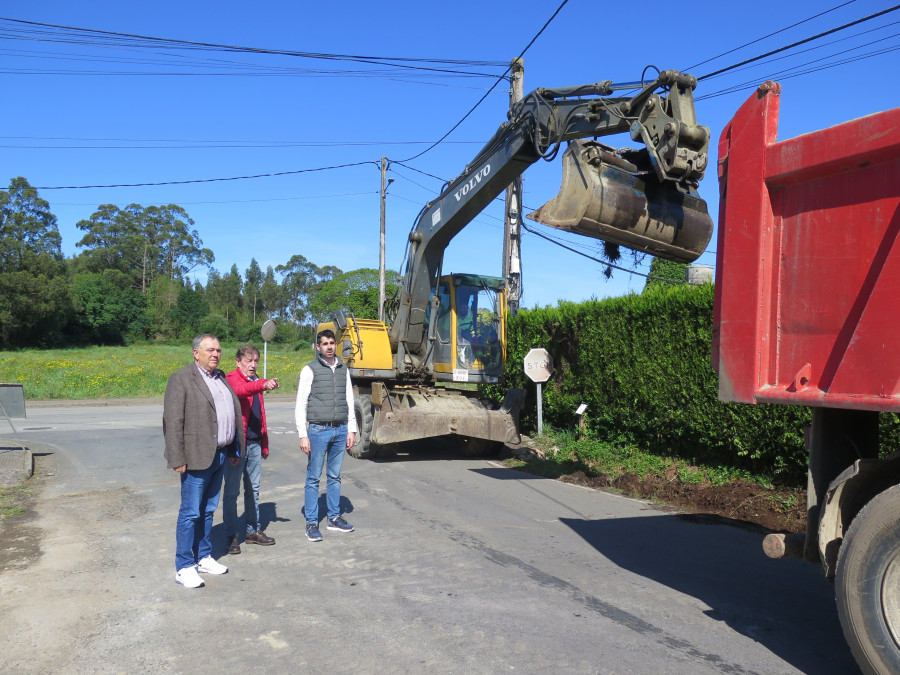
x: 641, y: 363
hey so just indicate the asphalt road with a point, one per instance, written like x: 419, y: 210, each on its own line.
x: 456, y: 566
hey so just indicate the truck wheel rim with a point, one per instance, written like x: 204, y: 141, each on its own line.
x: 890, y: 597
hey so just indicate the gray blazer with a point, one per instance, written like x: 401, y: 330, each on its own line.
x: 189, y: 421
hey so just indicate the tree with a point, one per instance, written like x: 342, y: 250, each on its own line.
x: 215, y: 290
x: 142, y: 242
x: 665, y: 269
x: 300, y: 279
x: 107, y: 313
x: 230, y: 293
x: 253, y: 280
x: 180, y: 248
x: 355, y: 291
x: 270, y: 294
x: 35, y: 298
x: 162, y: 297
x: 114, y: 240
x: 190, y: 309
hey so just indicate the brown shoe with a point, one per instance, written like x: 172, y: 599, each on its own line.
x: 233, y: 546
x: 259, y: 538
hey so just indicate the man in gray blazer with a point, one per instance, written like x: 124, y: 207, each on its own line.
x: 203, y: 429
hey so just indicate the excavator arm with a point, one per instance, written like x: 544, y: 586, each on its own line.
x: 671, y: 163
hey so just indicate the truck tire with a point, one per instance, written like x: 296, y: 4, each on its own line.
x: 867, y: 584
x: 477, y: 447
x: 364, y: 448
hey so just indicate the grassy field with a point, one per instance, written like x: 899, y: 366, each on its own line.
x: 139, y: 371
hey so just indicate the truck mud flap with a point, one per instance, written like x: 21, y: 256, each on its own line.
x: 607, y: 197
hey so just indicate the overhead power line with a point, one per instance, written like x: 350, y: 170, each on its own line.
x: 787, y: 74
x: 800, y: 42
x: 765, y: 37
x: 598, y: 260
x: 806, y: 68
x: 500, y: 79
x: 203, y: 145
x: 203, y: 180
x: 47, y: 32
x: 827, y: 44
x: 236, y: 201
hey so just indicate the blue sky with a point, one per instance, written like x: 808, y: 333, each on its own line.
x: 85, y: 114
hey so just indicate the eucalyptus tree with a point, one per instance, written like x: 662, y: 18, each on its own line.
x: 35, y: 298
x: 271, y: 295
x: 253, y: 280
x: 300, y: 278
x: 230, y: 287
x: 142, y: 242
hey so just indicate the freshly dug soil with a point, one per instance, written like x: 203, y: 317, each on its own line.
x: 739, y: 503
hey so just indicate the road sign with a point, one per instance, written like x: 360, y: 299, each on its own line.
x: 538, y: 365
x: 539, y: 368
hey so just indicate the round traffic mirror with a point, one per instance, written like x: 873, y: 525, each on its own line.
x: 268, y: 330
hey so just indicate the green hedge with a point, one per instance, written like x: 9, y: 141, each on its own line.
x: 641, y: 363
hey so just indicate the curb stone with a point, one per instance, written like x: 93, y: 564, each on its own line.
x: 16, y: 464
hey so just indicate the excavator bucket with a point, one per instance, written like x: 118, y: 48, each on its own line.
x: 606, y: 196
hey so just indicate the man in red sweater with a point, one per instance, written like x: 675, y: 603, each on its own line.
x: 248, y: 387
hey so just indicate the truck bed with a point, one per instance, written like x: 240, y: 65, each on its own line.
x: 807, y: 307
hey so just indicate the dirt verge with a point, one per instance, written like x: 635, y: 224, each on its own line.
x: 741, y: 503
x: 738, y: 503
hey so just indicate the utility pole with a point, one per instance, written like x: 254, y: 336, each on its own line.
x: 381, y: 245
x: 512, y: 230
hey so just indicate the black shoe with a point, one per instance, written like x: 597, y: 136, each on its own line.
x: 233, y: 546
x: 260, y: 538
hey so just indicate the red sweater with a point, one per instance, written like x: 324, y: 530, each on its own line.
x: 245, y: 389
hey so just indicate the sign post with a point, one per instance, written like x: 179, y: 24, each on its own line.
x: 539, y: 368
x: 267, y: 332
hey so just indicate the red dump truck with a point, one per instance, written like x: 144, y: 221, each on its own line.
x: 807, y: 312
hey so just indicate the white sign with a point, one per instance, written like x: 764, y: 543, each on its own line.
x: 460, y: 375
x: 538, y: 365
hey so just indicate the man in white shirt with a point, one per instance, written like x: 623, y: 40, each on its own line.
x: 326, y: 422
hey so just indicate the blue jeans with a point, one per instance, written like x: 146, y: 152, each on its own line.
x: 199, y: 499
x: 331, y: 443
x: 248, y: 469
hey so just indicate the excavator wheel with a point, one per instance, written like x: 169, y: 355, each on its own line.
x: 867, y: 585
x: 477, y: 447
x: 364, y: 448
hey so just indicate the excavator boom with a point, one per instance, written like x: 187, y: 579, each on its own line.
x: 647, y: 202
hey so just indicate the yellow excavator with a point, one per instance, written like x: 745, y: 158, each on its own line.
x: 448, y: 329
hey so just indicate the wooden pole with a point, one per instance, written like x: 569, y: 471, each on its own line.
x: 381, y: 281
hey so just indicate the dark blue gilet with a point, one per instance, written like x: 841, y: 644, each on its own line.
x: 328, y: 395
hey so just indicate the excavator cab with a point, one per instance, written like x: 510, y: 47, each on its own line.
x: 469, y: 336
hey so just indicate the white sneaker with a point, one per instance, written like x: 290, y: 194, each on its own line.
x: 211, y: 566
x: 188, y: 577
